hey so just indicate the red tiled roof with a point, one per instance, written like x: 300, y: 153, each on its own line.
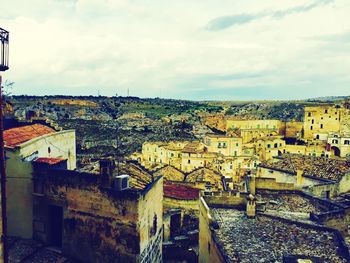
x: 180, y: 191
x: 19, y: 135
x: 49, y: 160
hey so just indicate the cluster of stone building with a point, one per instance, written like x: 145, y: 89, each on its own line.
x: 242, y: 196
x: 244, y: 144
x: 108, y: 216
x: 305, y: 168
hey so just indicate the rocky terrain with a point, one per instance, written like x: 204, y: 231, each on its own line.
x: 119, y: 125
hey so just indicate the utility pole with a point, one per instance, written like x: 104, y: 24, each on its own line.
x: 4, y: 60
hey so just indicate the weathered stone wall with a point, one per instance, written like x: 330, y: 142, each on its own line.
x: 339, y: 220
x: 293, y: 129
x: 225, y: 199
x: 150, y: 222
x: 99, y: 225
x: 271, y: 184
x: 321, y: 120
x: 188, y: 206
x: 208, y: 249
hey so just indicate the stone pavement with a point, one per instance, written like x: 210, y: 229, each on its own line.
x: 30, y: 251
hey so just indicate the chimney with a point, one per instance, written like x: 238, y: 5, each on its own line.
x: 300, y: 178
x: 30, y: 114
x: 107, y: 167
x: 252, y: 182
x: 251, y: 206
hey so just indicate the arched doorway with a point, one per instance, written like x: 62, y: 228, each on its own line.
x: 335, y: 151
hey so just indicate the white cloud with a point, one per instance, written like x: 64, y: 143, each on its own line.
x: 79, y: 47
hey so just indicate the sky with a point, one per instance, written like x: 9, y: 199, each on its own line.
x: 183, y: 49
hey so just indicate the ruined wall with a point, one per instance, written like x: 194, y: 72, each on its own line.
x: 99, y: 225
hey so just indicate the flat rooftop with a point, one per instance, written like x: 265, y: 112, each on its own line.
x: 318, y: 167
x: 266, y: 239
x: 291, y: 202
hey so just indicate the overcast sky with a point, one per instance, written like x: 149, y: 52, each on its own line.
x: 188, y: 49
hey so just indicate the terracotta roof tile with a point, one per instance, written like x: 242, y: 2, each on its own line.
x: 19, y: 135
x: 49, y: 160
x: 180, y: 191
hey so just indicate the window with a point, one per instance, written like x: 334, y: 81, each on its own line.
x: 346, y: 142
x: 189, y: 161
x: 276, y: 145
x: 219, y: 145
x: 224, y: 144
x: 269, y: 146
x: 311, y: 127
x: 335, y: 141
x: 49, y: 150
x: 321, y: 126
x: 309, y: 114
x: 312, y: 121
x: 235, y: 153
x: 237, y: 144
x: 326, y: 111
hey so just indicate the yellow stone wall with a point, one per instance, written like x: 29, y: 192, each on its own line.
x: 320, y: 120
x: 228, y: 146
x: 208, y: 250
x: 294, y: 129
x: 274, y: 125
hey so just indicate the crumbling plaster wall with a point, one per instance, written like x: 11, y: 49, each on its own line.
x: 98, y: 225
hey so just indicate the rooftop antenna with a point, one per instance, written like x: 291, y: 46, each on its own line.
x: 4, y: 65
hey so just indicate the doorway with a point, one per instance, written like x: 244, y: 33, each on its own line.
x: 55, y: 225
